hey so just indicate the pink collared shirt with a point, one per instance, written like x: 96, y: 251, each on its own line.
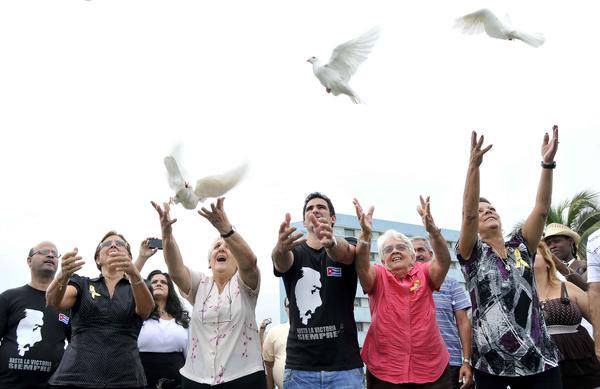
x: 403, y: 344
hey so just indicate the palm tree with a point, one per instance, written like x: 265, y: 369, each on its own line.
x: 580, y: 213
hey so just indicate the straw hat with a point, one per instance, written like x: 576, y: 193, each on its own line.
x: 554, y: 229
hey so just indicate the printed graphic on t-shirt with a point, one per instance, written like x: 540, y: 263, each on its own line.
x: 29, y: 331
x: 308, y: 297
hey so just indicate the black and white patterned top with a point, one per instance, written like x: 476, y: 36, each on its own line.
x: 509, y: 334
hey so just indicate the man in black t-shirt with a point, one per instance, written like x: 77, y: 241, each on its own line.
x: 320, y: 281
x: 32, y: 336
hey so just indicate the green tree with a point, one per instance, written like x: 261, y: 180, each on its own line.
x: 581, y: 213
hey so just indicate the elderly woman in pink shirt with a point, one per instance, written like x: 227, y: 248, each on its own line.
x: 403, y: 347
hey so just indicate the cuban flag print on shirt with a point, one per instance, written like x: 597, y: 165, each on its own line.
x: 334, y: 271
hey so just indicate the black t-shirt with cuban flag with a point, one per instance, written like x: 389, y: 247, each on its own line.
x: 321, y: 292
x: 32, y: 336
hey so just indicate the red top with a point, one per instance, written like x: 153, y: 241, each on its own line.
x: 403, y: 344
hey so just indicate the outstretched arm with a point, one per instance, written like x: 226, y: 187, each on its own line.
x: 470, y: 212
x: 179, y: 273
x: 364, y: 268
x: 534, y: 225
x: 287, y: 239
x: 441, y: 260
x: 243, y: 254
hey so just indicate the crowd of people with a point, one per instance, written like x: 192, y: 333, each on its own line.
x: 518, y: 324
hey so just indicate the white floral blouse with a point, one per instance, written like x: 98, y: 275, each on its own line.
x: 223, y: 343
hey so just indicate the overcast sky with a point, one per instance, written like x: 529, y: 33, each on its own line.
x: 93, y: 95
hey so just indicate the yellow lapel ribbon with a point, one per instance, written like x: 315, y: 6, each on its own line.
x: 93, y: 292
x: 415, y: 286
x: 519, y: 260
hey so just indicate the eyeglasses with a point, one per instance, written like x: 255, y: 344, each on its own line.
x: 390, y: 249
x: 108, y: 243
x: 216, y: 307
x: 54, y: 253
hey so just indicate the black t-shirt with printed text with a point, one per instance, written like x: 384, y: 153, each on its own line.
x: 32, y: 336
x: 321, y: 293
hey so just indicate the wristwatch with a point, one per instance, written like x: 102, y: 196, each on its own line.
x: 228, y: 234
x: 467, y: 361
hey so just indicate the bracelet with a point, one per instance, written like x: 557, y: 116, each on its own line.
x: 365, y: 242
x: 550, y: 165
x: 141, y: 280
x: 467, y: 361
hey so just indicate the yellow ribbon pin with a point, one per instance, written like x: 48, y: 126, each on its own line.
x: 519, y: 260
x: 93, y: 292
x: 415, y: 286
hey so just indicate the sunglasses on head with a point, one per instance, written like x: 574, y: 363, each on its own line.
x: 54, y: 253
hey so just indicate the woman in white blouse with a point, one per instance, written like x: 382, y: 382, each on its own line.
x: 223, y: 349
x: 163, y: 339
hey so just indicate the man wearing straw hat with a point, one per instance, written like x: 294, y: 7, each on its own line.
x: 563, y: 243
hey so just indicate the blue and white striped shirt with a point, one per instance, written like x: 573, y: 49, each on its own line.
x: 452, y: 297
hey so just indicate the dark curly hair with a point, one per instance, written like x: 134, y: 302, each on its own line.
x: 173, y: 305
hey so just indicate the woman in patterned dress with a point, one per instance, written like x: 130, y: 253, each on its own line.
x: 511, y: 345
x: 223, y: 349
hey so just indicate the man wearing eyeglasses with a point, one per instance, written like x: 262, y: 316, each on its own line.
x: 320, y: 281
x: 32, y: 336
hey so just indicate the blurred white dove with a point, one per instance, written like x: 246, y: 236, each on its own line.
x: 343, y: 63
x: 211, y: 186
x: 484, y: 19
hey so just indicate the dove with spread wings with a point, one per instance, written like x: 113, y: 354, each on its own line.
x: 485, y: 20
x: 210, y: 186
x: 345, y: 59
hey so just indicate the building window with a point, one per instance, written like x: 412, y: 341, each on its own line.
x: 375, y: 235
x: 359, y: 326
x: 348, y: 232
x: 357, y: 302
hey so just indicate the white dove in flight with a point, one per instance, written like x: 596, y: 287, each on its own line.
x: 484, y: 19
x: 211, y: 186
x: 343, y: 63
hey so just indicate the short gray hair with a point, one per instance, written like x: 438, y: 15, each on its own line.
x: 425, y: 240
x: 393, y: 234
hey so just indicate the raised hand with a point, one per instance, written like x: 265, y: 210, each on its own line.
x: 165, y: 219
x: 365, y: 219
x: 287, y: 238
x: 217, y: 216
x: 424, y: 210
x: 69, y: 264
x: 145, y: 250
x: 322, y: 230
x: 476, y: 151
x: 549, y: 146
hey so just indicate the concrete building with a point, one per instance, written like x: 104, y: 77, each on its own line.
x: 347, y: 225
